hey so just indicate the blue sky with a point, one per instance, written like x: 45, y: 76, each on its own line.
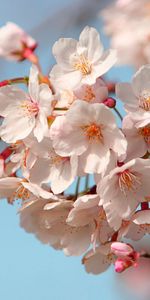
x: 28, y: 269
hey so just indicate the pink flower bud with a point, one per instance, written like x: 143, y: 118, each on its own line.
x: 121, y: 249
x: 14, y: 42
x: 122, y: 264
x: 110, y: 102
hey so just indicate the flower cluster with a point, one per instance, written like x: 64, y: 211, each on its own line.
x: 63, y: 127
x: 127, y: 24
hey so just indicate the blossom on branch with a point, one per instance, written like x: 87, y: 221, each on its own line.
x: 15, y: 43
x: 64, y: 131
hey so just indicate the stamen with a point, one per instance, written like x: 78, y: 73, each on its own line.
x: 93, y: 132
x: 21, y: 193
x: 129, y: 181
x: 83, y: 65
x: 144, y: 100
x: 145, y: 132
x: 24, y: 158
x: 55, y: 159
x: 89, y: 95
x: 16, y: 145
x: 30, y: 107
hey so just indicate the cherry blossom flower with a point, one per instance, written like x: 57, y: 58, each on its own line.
x: 24, y: 113
x: 93, y: 136
x: 47, y: 220
x: 123, y: 189
x: 136, y: 96
x: 80, y: 62
x: 15, y: 43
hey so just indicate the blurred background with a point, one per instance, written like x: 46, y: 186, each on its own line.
x: 28, y: 269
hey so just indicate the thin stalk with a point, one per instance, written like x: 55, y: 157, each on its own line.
x: 14, y: 81
x: 118, y: 113
x: 87, y: 182
x: 77, y: 187
x: 60, y: 108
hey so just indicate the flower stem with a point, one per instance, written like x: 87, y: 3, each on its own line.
x: 87, y: 182
x: 14, y: 81
x: 77, y: 187
x: 118, y: 113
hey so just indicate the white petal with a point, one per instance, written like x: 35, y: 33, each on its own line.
x: 63, y: 175
x: 8, y: 185
x: 64, y: 138
x: 45, y: 98
x: 40, y: 172
x: 37, y: 190
x: 34, y: 83
x: 77, y: 241
x: 125, y: 93
x: 142, y: 217
x: 65, y: 80
x: 16, y: 127
x: 90, y: 40
x: 96, y: 158
x: 108, y: 59
x: 141, y: 80
x: 95, y: 262
x: 41, y: 126
x: 9, y: 95
x: 63, y: 49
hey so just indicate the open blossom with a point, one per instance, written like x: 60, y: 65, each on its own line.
x: 123, y: 189
x: 138, y: 139
x: 80, y: 62
x: 90, y: 137
x: 136, y: 96
x: 47, y: 220
x: 24, y: 113
x: 15, y: 42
